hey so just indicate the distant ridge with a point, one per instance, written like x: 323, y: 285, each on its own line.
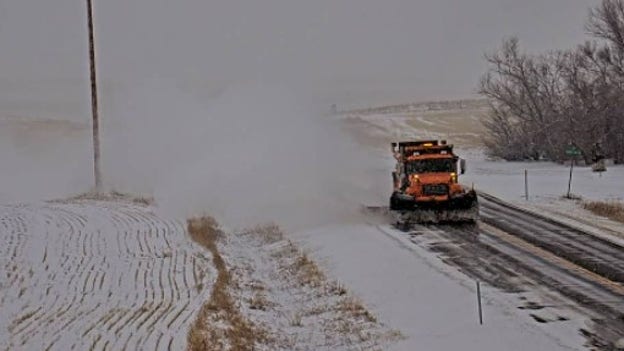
x: 442, y: 105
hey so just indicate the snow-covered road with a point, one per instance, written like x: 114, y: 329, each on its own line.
x: 97, y: 275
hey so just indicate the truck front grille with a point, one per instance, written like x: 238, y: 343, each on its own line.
x: 435, y: 189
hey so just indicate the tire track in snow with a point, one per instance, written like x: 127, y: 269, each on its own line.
x: 97, y: 275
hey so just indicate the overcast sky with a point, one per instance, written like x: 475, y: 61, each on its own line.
x: 349, y: 51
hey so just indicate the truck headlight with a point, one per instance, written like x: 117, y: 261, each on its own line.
x: 454, y: 177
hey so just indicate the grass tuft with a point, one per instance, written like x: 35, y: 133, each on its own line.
x: 307, y: 271
x: 610, y: 209
x: 268, y: 233
x: 355, y: 308
x: 296, y: 320
x: 259, y: 302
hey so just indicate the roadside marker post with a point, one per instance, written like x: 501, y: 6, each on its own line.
x: 526, y: 185
x: 570, y: 180
x: 479, y: 303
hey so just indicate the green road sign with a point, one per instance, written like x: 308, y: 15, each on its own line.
x: 573, y: 151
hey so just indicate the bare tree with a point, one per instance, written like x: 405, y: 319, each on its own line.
x: 541, y: 103
x: 606, y: 23
x: 524, y: 91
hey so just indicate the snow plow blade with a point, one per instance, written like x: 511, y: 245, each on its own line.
x: 403, y: 218
x: 460, y: 209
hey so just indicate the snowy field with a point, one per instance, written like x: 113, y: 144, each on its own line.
x: 547, y: 181
x: 97, y: 275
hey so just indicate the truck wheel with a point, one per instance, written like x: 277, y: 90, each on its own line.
x: 395, y: 204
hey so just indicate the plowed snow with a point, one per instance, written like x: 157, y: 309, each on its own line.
x: 97, y: 275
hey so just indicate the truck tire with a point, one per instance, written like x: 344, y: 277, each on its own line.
x: 395, y: 204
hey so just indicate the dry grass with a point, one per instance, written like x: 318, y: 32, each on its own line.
x: 111, y: 196
x: 240, y: 334
x: 140, y: 200
x: 306, y: 271
x: 316, y: 310
x: 296, y: 320
x: 268, y: 233
x: 259, y: 302
x: 303, y: 267
x: 354, y: 307
x: 336, y: 288
x: 610, y: 209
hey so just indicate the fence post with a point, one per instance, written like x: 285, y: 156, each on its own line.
x: 570, y: 180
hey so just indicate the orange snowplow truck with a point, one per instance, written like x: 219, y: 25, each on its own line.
x: 426, y: 186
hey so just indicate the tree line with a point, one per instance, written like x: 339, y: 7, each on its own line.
x: 542, y: 104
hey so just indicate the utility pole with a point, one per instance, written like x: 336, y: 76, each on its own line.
x: 94, y: 102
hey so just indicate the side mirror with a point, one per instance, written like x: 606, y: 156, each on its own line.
x: 462, y: 166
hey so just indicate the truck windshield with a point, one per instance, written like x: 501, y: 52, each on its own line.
x: 445, y: 165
